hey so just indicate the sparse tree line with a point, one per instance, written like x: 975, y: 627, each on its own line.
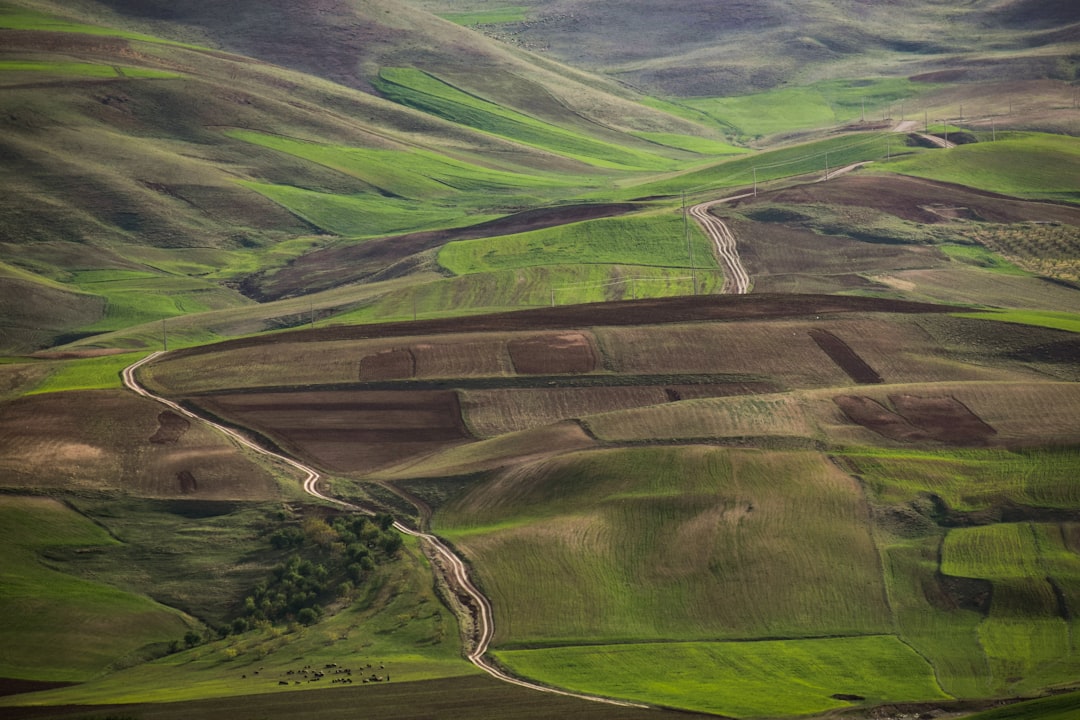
x: 328, y: 561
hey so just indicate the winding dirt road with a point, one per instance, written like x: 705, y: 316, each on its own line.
x: 736, y: 279
x: 444, y: 561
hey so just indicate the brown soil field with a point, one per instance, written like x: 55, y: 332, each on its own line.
x: 895, y: 348
x: 351, y: 431
x: 919, y: 200
x: 171, y: 427
x: 848, y: 360
x: 113, y: 440
x: 944, y: 417
x: 323, y: 269
x: 474, y: 356
x: 554, y: 354
x: 773, y: 251
x: 19, y: 378
x: 476, y: 697
x: 998, y: 414
x: 291, y: 362
x: 494, y: 412
x: 394, y: 364
x: 461, y: 357
x: 873, y: 415
x: 1025, y: 414
x: 656, y: 311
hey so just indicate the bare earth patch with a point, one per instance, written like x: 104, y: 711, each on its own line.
x: 945, y: 418
x: 917, y: 419
x: 171, y: 427
x: 846, y: 358
x: 555, y: 354
x: 350, y: 431
x: 396, y: 364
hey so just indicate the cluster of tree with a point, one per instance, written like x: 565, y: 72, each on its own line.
x: 328, y: 561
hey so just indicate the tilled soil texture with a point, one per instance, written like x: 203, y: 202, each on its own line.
x: 104, y: 440
x: 331, y: 267
x: 171, y: 427
x: 797, y: 260
x: 918, y: 200
x: 471, y: 697
x: 945, y: 418
x: 613, y: 314
x: 554, y: 354
x: 395, y: 364
x: 918, y: 419
x: 846, y: 358
x: 349, y: 431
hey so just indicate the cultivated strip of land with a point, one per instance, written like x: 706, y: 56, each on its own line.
x: 454, y: 572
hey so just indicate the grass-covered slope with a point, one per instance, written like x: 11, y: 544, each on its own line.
x: 704, y: 49
x: 62, y: 628
x: 700, y: 535
x: 134, y: 148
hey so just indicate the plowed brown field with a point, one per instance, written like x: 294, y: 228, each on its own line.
x: 353, y: 431
x: 112, y: 440
x: 919, y: 200
x: 554, y: 354
x: 655, y: 311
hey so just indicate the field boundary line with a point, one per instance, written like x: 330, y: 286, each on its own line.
x: 457, y: 576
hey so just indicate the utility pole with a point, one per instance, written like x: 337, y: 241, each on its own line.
x: 689, y: 245
x: 826, y: 165
x: 755, y: 182
x: 926, y: 121
x: 552, y: 296
x: 164, y: 337
x: 311, y: 312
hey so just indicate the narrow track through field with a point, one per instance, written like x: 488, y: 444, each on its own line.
x: 736, y: 279
x: 454, y: 570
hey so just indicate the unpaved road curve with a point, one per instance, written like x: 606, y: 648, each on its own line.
x: 454, y: 570
x: 736, y: 279
x: 911, y: 126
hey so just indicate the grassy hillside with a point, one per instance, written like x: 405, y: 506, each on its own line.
x: 708, y: 50
x: 664, y: 522
x: 65, y: 628
x: 167, y: 184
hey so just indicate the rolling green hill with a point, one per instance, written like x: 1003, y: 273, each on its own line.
x: 705, y: 49
x: 187, y: 167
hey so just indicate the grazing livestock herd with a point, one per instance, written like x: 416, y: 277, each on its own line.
x: 340, y: 675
